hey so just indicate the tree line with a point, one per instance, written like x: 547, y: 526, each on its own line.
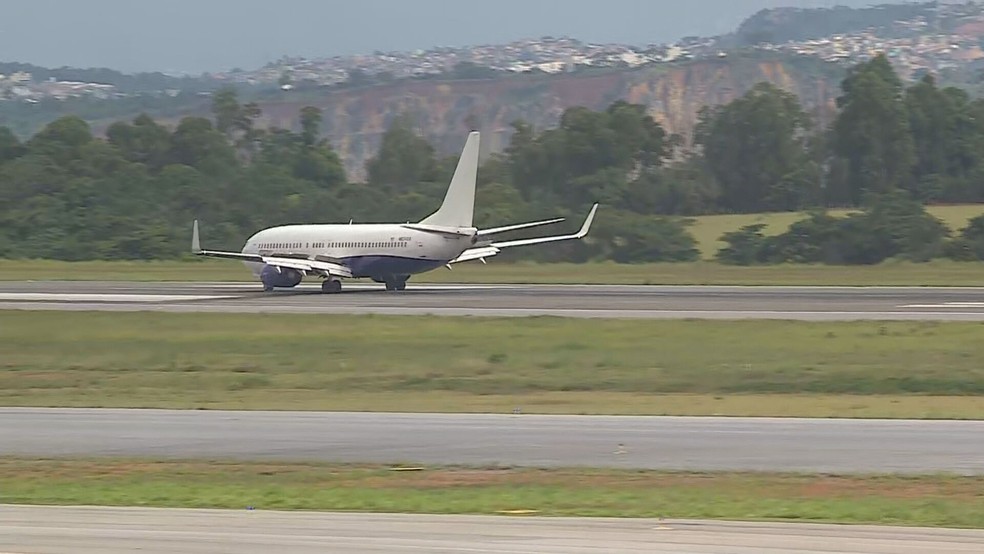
x: 131, y: 194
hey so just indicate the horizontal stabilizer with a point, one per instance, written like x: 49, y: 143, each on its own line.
x: 475, y: 254
x: 456, y: 231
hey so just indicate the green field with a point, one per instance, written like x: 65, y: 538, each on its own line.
x: 865, y: 369
x: 948, y: 501
x: 936, y: 273
x: 708, y: 229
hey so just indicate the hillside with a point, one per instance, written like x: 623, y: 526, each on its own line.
x: 778, y: 25
x: 444, y: 111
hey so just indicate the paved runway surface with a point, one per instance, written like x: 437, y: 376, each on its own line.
x: 86, y: 530
x: 530, y: 440
x: 807, y: 303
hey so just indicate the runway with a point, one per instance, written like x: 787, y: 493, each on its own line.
x: 91, y: 530
x: 671, y: 443
x: 586, y: 301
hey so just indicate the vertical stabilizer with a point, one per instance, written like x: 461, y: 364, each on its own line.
x: 459, y: 202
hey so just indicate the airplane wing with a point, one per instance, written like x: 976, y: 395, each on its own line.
x: 309, y: 266
x: 487, y: 251
x: 301, y: 264
x: 497, y: 230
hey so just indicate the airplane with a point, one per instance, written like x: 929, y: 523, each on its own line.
x: 280, y: 257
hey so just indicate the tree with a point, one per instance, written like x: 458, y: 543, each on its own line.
x: 310, y: 125
x: 143, y: 142
x: 61, y: 139
x: 404, y: 159
x: 872, y: 133
x: 757, y: 149
x: 746, y: 246
x: 634, y: 238
x: 591, y: 156
x: 969, y: 246
x: 236, y: 121
x: 10, y: 147
x: 948, y: 140
x: 197, y: 144
x: 893, y: 225
x: 226, y: 110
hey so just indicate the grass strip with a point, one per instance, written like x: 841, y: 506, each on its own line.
x: 938, y: 500
x: 552, y: 365
x: 895, y: 273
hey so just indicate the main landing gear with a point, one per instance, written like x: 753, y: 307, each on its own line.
x: 331, y: 286
x: 394, y: 284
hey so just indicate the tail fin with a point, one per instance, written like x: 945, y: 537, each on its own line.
x: 459, y: 202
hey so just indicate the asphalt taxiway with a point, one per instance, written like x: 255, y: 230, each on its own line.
x: 620, y: 301
x: 671, y: 443
x: 91, y: 530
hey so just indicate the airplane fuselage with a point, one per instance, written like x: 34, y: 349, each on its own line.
x: 378, y: 251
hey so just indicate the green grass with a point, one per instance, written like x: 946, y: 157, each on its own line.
x: 936, y: 273
x: 948, y: 501
x: 867, y: 369
x: 708, y: 229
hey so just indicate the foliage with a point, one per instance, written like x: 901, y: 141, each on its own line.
x: 871, y: 135
x: 894, y: 225
x: 970, y: 244
x: 757, y: 149
x: 66, y: 194
x: 948, y: 135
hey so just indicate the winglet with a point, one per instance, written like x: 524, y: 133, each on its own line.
x: 587, y: 222
x: 196, y: 247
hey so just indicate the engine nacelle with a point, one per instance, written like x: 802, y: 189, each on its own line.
x: 284, y: 278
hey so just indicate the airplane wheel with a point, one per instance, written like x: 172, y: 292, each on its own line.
x: 396, y: 285
x: 331, y: 286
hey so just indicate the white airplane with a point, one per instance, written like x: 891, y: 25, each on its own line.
x: 385, y: 253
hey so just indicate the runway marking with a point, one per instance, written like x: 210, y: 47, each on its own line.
x: 112, y: 297
x: 945, y: 305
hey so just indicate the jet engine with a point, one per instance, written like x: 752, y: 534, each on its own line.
x: 272, y: 276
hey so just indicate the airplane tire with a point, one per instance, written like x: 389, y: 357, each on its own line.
x: 331, y: 286
x: 393, y: 285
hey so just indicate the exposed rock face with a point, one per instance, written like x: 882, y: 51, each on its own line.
x: 444, y: 111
